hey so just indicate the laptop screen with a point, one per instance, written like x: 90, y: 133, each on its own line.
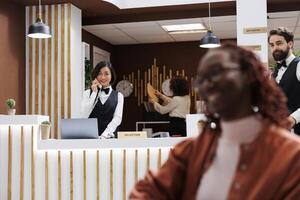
x: 79, y: 128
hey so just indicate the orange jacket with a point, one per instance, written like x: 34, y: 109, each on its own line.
x: 272, y: 172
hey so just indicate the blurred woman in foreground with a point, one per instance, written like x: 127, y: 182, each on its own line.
x: 244, y: 150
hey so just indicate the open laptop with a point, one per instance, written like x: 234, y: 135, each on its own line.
x: 79, y: 128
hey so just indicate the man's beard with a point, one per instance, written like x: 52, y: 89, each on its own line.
x: 279, y: 55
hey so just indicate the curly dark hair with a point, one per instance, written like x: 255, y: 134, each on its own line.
x: 179, y: 86
x: 284, y: 32
x: 99, y: 66
x: 266, y: 94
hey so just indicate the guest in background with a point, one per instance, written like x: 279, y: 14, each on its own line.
x: 244, y: 150
x: 102, y: 102
x: 178, y: 106
x: 287, y: 72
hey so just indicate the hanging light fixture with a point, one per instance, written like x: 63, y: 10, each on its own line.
x: 39, y: 29
x: 209, y: 40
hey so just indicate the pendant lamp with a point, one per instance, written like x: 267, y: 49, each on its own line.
x: 39, y: 29
x: 209, y: 40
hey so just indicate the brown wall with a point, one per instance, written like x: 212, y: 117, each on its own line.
x: 129, y: 58
x: 12, y: 55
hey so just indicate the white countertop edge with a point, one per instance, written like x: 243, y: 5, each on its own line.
x: 107, y: 144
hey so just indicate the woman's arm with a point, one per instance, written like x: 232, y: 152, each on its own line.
x: 117, y: 119
x: 164, y: 98
x: 87, y: 103
x: 163, y: 109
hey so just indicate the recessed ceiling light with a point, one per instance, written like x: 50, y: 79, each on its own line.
x: 184, y: 28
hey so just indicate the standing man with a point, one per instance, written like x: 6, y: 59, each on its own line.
x: 287, y: 71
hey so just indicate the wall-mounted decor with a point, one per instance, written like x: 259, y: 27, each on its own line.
x: 155, y: 75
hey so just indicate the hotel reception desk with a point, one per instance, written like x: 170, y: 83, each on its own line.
x: 31, y: 168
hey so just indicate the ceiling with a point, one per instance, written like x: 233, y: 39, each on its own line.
x: 152, y: 32
x: 143, y: 25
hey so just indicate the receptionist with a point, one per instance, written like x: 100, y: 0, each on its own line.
x: 103, y: 102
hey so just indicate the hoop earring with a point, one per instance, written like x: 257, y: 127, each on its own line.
x: 255, y: 109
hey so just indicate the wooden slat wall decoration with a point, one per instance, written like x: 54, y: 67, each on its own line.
x: 68, y: 50
x: 62, y: 63
x: 36, y: 73
x: 43, y: 70
x: 30, y: 65
x: 156, y: 75
x: 55, y: 35
x: 49, y: 66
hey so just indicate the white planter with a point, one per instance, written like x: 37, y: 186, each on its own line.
x: 11, y: 111
x: 45, y: 131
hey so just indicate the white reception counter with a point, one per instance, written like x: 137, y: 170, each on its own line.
x: 31, y: 168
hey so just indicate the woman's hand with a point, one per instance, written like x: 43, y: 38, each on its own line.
x: 158, y: 94
x: 95, y: 85
x: 151, y: 101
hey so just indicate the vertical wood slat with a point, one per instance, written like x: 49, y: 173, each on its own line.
x: 32, y: 165
x: 136, y: 165
x: 111, y: 175
x: 84, y: 175
x: 22, y: 164
x: 159, y: 158
x: 46, y: 177
x: 192, y: 87
x: 157, y: 78
x: 43, y: 74
x: 97, y: 176
x: 30, y: 64
x: 160, y: 81
x: 145, y: 83
x: 36, y: 69
x: 135, y: 88
x: 124, y: 174
x: 149, y: 76
x: 69, y: 60
x: 71, y: 177
x: 62, y: 65
x: 9, y: 164
x: 55, y: 70
x: 148, y: 159
x: 49, y: 58
x: 138, y: 86
x: 59, y: 175
x: 153, y: 76
x: 164, y: 72
x: 142, y: 91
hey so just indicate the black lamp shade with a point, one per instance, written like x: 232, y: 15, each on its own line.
x: 210, y: 40
x: 39, y: 30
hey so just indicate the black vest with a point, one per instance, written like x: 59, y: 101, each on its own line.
x: 105, y: 112
x: 291, y: 87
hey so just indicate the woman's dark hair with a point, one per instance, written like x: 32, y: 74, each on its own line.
x: 266, y: 94
x: 284, y: 32
x: 99, y: 66
x: 179, y: 86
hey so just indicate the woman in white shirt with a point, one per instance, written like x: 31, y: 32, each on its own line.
x: 102, y: 102
x: 177, y: 107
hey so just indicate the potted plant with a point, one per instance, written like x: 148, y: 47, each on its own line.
x: 11, y: 103
x: 45, y: 130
